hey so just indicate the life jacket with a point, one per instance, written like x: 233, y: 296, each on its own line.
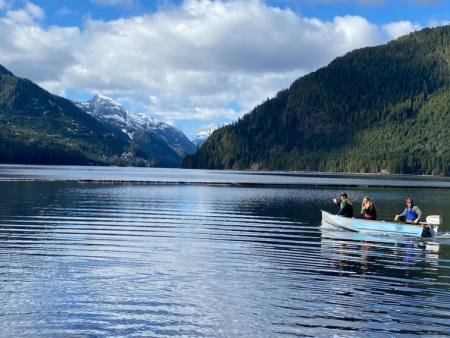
x: 346, y: 208
x: 411, y: 215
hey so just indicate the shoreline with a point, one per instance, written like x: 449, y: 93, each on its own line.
x: 375, y: 176
x: 283, y: 185
x: 213, y: 178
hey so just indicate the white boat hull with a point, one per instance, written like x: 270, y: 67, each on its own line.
x: 372, y: 227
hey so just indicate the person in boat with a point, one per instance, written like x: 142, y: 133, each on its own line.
x: 411, y: 214
x: 345, y: 206
x: 368, y: 209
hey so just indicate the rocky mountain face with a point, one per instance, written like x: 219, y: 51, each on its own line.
x: 155, y: 138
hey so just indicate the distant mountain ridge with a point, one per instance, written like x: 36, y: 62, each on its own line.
x: 168, y: 145
x: 384, y: 108
x: 202, y: 136
x: 4, y: 71
x: 39, y: 127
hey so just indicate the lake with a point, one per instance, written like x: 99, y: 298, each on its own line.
x: 95, y: 251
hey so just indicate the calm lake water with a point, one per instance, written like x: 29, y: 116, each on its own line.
x: 86, y: 259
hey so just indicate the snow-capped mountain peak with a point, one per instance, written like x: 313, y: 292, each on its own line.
x: 112, y: 113
x: 105, y: 107
x: 203, y: 135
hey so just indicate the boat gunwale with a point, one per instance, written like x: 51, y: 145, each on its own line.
x: 329, y: 220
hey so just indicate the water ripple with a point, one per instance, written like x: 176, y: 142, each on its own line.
x: 92, y: 260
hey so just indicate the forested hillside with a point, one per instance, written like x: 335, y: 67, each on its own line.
x: 38, y: 127
x: 374, y: 109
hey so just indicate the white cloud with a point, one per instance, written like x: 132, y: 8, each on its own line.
x: 27, y: 15
x: 397, y: 29
x: 34, y: 11
x: 188, y: 62
x: 436, y: 23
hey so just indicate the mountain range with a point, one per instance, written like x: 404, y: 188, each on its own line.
x: 39, y: 127
x: 156, y: 139
x: 376, y: 109
x: 42, y: 128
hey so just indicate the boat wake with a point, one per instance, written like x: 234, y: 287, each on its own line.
x: 445, y: 235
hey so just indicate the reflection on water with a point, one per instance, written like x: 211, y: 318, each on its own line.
x: 362, y: 257
x: 157, y: 260
x: 395, y: 277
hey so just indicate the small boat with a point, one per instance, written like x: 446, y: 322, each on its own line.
x: 381, y: 227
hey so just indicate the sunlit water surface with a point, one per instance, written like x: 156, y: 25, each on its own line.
x: 81, y: 259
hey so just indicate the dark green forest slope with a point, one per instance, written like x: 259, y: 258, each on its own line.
x: 38, y: 127
x: 374, y: 109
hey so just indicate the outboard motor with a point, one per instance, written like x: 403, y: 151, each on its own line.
x: 431, y: 226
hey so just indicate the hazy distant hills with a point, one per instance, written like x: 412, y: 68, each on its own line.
x: 380, y: 108
x: 165, y: 144
x: 42, y: 128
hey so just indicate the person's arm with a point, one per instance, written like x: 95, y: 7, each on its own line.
x: 404, y: 212
x: 342, y: 207
x: 419, y: 214
x: 397, y: 217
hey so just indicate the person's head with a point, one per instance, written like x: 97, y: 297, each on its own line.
x: 409, y: 202
x: 366, y: 199
x: 344, y: 196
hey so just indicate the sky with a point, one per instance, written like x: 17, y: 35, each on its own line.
x: 193, y: 63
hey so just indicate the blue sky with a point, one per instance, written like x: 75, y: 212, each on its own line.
x: 193, y: 63
x: 72, y: 12
x: 376, y: 11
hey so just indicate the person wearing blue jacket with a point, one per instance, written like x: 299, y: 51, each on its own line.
x: 411, y: 214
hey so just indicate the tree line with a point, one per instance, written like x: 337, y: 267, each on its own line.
x: 383, y: 108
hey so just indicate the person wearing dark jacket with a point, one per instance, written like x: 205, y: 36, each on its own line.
x: 368, y: 210
x: 345, y: 206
